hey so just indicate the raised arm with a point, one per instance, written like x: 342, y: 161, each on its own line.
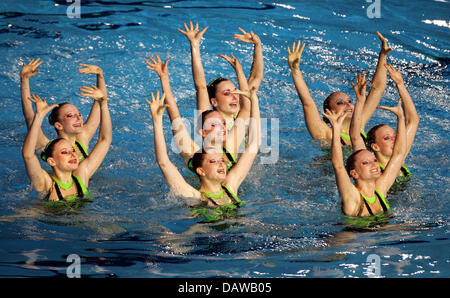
x: 378, y: 83
x: 89, y: 165
x: 257, y: 70
x: 398, y: 153
x: 39, y: 178
x: 411, y: 116
x: 93, y: 121
x: 194, y: 37
x: 174, y: 179
x: 317, y: 128
x: 355, y: 125
x: 240, y: 170
x: 237, y: 134
x: 347, y: 191
x: 185, y: 143
x: 28, y: 71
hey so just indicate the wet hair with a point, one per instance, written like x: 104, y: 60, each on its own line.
x: 372, y: 134
x: 197, y: 160
x: 326, y: 105
x: 201, y: 120
x: 49, y: 148
x: 213, y: 85
x: 54, y: 115
x: 350, y: 163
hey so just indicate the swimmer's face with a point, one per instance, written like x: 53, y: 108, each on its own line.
x: 366, y: 166
x: 64, y: 156
x: 214, y: 166
x: 341, y: 102
x: 384, y: 140
x: 214, y: 129
x: 225, y: 101
x: 69, y: 120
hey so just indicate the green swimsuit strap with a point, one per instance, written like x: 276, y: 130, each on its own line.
x: 404, y: 171
x: 232, y: 195
x: 381, y: 198
x: 82, y: 148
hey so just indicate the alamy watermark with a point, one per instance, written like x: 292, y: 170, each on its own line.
x: 74, y: 269
x: 74, y: 9
x: 374, y: 9
x: 216, y: 133
x: 374, y: 268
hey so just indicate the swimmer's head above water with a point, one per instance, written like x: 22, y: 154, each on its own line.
x: 221, y: 96
x: 66, y: 117
x: 381, y: 139
x: 362, y: 164
x: 210, y: 164
x: 212, y: 127
x: 338, y: 101
x: 60, y: 153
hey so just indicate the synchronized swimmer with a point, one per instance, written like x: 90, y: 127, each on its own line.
x: 229, y: 120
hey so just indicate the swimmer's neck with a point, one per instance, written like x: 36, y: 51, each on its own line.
x: 217, y: 146
x: 345, y: 128
x: 211, y: 186
x: 366, y: 187
x: 70, y: 137
x: 229, y: 117
x: 382, y: 159
x: 63, y: 176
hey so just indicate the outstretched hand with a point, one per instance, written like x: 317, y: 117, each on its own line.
x: 192, y: 33
x: 295, y: 55
x: 157, y: 66
x: 90, y: 69
x: 234, y: 62
x: 396, y: 76
x: 93, y: 92
x: 157, y: 106
x: 41, y: 105
x: 29, y: 70
x: 336, y: 118
x: 251, y: 94
x: 397, y: 110
x: 247, y: 37
x: 384, y: 47
x: 360, y: 86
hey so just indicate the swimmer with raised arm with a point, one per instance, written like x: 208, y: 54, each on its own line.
x: 336, y: 101
x: 367, y: 196
x: 381, y: 137
x: 218, y: 92
x: 212, y: 129
x: 218, y: 187
x: 66, y: 118
x: 70, y: 178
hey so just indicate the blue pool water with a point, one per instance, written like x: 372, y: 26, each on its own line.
x: 292, y: 225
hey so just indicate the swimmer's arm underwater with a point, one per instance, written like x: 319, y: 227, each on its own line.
x: 411, y: 117
x: 257, y: 69
x: 348, y: 192
x: 240, y: 170
x: 198, y: 73
x: 378, y: 85
x: 28, y: 71
x: 185, y: 144
x: 174, y: 179
x: 40, y: 179
x: 355, y: 125
x: 317, y: 128
x: 90, y: 164
x: 390, y: 173
x: 93, y: 121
